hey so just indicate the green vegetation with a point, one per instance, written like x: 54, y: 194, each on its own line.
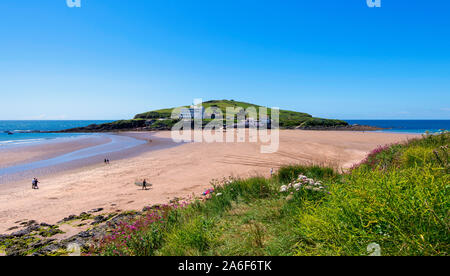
x: 162, y: 124
x: 29, y: 241
x: 288, y: 119
x: 25, y: 244
x: 163, y: 119
x: 398, y: 199
x: 50, y: 231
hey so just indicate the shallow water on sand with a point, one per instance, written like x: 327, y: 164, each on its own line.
x: 118, y: 143
x: 116, y: 147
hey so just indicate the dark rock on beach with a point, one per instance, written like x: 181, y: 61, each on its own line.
x: 25, y: 231
x: 86, y: 234
x: 28, y: 223
x: 46, y: 250
x: 50, y: 231
x: 99, y: 219
x: 67, y: 219
x: 96, y: 210
x: 41, y: 243
x: 35, y: 239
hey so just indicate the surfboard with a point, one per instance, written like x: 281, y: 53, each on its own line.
x: 140, y: 184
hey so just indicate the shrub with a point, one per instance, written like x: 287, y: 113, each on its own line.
x: 290, y: 173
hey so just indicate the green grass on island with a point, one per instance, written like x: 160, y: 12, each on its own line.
x: 396, y: 202
x: 163, y: 119
x: 288, y: 119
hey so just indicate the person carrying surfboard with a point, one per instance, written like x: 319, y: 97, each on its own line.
x: 144, y: 185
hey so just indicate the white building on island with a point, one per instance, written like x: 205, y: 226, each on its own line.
x: 194, y: 112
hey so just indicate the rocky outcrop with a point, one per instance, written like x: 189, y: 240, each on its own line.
x: 38, y: 239
x: 343, y: 128
x: 123, y: 125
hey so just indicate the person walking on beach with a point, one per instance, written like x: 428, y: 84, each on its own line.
x: 34, y: 183
x: 144, y: 185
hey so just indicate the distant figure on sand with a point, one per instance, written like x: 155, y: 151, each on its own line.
x: 144, y: 185
x: 106, y: 161
x: 271, y: 171
x: 34, y: 183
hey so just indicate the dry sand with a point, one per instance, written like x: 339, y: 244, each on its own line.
x: 177, y: 172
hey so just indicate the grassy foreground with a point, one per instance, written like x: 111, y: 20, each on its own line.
x: 396, y: 201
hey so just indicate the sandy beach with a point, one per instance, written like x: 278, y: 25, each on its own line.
x: 174, y: 172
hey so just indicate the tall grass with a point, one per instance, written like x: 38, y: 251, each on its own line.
x: 398, y: 199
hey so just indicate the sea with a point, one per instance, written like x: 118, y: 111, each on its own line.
x: 406, y: 126
x: 13, y: 133
x: 26, y: 132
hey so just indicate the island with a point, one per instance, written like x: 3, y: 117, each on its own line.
x: 164, y: 119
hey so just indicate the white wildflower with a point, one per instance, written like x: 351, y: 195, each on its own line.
x: 297, y: 186
x: 374, y: 249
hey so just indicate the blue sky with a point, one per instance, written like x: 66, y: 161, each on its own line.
x: 335, y: 59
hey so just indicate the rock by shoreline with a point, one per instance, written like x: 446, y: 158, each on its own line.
x: 142, y: 127
x: 41, y: 239
x: 345, y: 128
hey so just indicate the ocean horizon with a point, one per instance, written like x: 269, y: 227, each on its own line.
x: 406, y: 126
x: 25, y: 132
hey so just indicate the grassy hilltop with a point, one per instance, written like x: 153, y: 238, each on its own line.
x: 396, y: 202
x: 161, y: 119
x: 288, y: 119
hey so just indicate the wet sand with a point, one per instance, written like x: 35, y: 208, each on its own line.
x: 25, y: 162
x: 175, y: 172
x: 10, y: 156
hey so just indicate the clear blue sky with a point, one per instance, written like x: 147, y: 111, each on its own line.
x: 111, y: 59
